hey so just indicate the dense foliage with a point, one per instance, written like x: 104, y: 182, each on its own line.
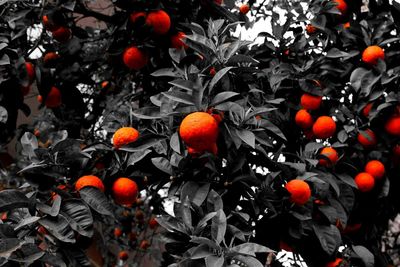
x: 289, y: 143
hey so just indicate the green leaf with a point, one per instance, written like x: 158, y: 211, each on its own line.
x: 214, y: 261
x: 222, y: 97
x: 365, y: 255
x: 248, y: 261
x: 79, y: 216
x: 221, y: 73
x: 247, y: 136
x: 59, y: 228
x: 162, y: 164
x: 137, y: 156
x: 3, y: 115
x: 184, y: 84
x: 357, y: 76
x: 328, y: 236
x: 27, y: 253
x: 166, y: 72
x: 96, y: 200
x: 12, y: 199
x: 179, y: 97
x: 218, y: 226
x: 8, y: 246
x: 251, y: 249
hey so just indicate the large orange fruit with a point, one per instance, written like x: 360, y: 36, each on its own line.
x: 30, y: 69
x: 375, y: 168
x: 392, y: 126
x: 176, y: 40
x: 371, y: 55
x: 199, y: 130
x: 324, y: 127
x: 303, y: 119
x: 89, y: 180
x: 137, y: 16
x: 364, y: 181
x: 198, y: 152
x: 341, y: 5
x: 125, y: 191
x: 299, y: 190
x: 62, y: 34
x: 335, y: 263
x: 310, y: 102
x: 367, y: 138
x: 244, y: 9
x: 331, y: 154
x: 53, y: 99
x: 134, y: 58
x: 159, y: 21
x: 124, y: 136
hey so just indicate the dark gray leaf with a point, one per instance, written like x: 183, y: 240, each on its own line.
x: 96, y: 200
x: 59, y: 228
x: 218, y: 226
x: 79, y: 216
x: 12, y: 199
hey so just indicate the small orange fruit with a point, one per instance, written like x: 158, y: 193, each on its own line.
x: 364, y: 181
x: 117, y: 232
x: 30, y: 69
x: 199, y: 130
x: 134, y: 58
x: 392, y: 126
x: 41, y: 230
x: 89, y: 180
x: 105, y: 85
x: 48, y: 23
x: 123, y: 255
x: 212, y: 71
x: 335, y: 263
x: 36, y: 132
x: 50, y: 58
x: 160, y: 22
x: 39, y: 98
x: 371, y: 55
x: 144, y: 244
x: 62, y: 34
x: 367, y: 138
x: 375, y: 168
x: 367, y: 109
x: 346, y: 25
x: 153, y: 224
x: 124, y: 136
x: 244, y: 9
x: 137, y: 16
x: 125, y: 191
x: 299, y: 190
x: 303, y: 119
x: 310, y: 102
x: 324, y: 127
x: 53, y: 99
x: 331, y: 154
x: 177, y: 41
x: 310, y: 29
x: 341, y: 5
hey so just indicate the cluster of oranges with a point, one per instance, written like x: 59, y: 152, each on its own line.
x: 60, y: 33
x: 374, y: 171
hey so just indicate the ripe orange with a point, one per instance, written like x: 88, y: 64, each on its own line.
x: 196, y: 153
x: 144, y: 244
x: 299, y: 190
x: 124, y: 136
x: 331, y: 154
x: 136, y: 16
x: 375, y: 168
x: 123, y: 255
x: 160, y: 22
x: 346, y: 25
x: 212, y: 71
x: 48, y: 23
x: 341, y: 5
x: 324, y: 127
x: 105, y: 84
x: 334, y: 263
x: 199, y: 130
x: 310, y: 102
x: 53, y: 99
x: 218, y: 115
x: 62, y: 34
x: 89, y: 180
x: 30, y: 69
x: 244, y: 9
x: 176, y: 41
x: 310, y: 29
x: 125, y: 191
x: 367, y: 109
x: 303, y: 119
x: 50, y: 58
x: 392, y: 126
x: 117, y: 232
x: 367, y: 138
x: 371, y: 55
x: 364, y: 181
x: 134, y: 58
x: 153, y: 223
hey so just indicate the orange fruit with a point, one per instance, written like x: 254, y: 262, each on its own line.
x: 335, y: 263
x: 50, y: 58
x: 310, y: 29
x: 392, y: 126
x: 310, y: 102
x: 331, y: 154
x: 134, y: 58
x: 218, y: 115
x: 212, y: 71
x: 244, y: 9
x: 176, y: 41
x: 299, y: 190
x: 39, y: 98
x: 375, y: 168
x: 144, y: 244
x: 199, y: 130
x: 367, y: 138
x: 30, y: 69
x: 41, y: 230
x: 125, y: 191
x: 324, y: 127
x: 341, y: 5
x: 364, y: 181
x: 105, y: 85
x: 89, y: 180
x: 62, y: 34
x: 196, y: 153
x: 367, y: 109
x: 136, y: 16
x: 346, y: 25
x: 153, y: 223
x: 371, y: 55
x: 160, y: 22
x: 53, y: 99
x: 123, y: 255
x: 303, y: 119
x: 124, y: 136
x: 117, y: 232
x: 48, y: 23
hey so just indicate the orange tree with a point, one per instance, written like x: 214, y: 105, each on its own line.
x: 288, y: 144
